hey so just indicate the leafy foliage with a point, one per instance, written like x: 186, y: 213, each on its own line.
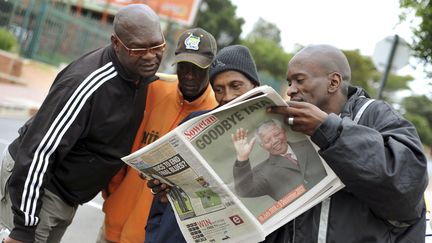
x: 423, y: 32
x: 418, y: 109
x: 269, y: 56
x: 219, y: 18
x: 8, y: 42
x: 363, y: 71
x: 364, y: 74
x: 265, y: 30
x: 422, y: 126
x: 419, y: 105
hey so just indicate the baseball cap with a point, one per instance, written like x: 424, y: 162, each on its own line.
x: 196, y: 46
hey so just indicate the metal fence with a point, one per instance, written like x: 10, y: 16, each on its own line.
x: 52, y: 33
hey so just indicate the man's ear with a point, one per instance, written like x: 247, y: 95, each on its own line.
x: 335, y: 82
x: 114, y: 42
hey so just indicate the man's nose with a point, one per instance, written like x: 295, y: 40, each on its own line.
x: 292, y: 89
x: 228, y: 96
x: 148, y: 55
x: 189, y: 74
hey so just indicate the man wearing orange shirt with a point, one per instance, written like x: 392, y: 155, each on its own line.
x: 127, y: 206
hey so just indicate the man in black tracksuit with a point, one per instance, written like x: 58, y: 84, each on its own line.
x: 378, y: 156
x: 72, y: 147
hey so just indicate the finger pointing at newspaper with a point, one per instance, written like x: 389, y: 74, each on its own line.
x: 242, y: 146
x: 304, y: 117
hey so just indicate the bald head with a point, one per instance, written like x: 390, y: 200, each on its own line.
x: 319, y: 74
x: 137, y: 26
x: 325, y: 57
x: 136, y: 20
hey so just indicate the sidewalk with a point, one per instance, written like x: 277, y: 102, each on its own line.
x: 22, y: 100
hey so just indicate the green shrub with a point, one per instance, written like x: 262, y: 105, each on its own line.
x: 8, y: 42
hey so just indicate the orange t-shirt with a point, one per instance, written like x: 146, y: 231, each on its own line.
x: 128, y: 206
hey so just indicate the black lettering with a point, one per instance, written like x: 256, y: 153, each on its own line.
x: 246, y: 110
x: 253, y: 107
x: 164, y: 172
x: 145, y: 138
x: 155, y: 136
x: 226, y: 124
x: 174, y: 160
x: 213, y: 135
x: 206, y: 139
x: 219, y: 129
x: 239, y: 116
x: 231, y: 119
x: 199, y: 143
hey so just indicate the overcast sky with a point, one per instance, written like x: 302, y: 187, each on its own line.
x: 346, y: 24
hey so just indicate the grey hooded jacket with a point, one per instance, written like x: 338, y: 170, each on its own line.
x: 380, y: 160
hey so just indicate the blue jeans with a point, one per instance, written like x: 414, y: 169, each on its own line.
x: 162, y: 225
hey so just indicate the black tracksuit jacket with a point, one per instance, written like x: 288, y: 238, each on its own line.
x: 73, y: 145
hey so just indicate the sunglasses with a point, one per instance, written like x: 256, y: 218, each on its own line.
x: 142, y: 51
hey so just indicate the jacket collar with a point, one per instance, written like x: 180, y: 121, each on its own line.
x: 208, y: 93
x: 282, y: 162
x: 356, y: 97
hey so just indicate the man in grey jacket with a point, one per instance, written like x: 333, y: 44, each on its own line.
x: 378, y: 156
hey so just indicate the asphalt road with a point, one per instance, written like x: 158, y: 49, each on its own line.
x: 89, y: 216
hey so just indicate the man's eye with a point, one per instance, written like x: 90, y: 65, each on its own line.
x: 217, y: 91
x: 236, y: 86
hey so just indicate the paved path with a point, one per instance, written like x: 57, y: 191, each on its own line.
x: 20, y: 101
x: 17, y: 103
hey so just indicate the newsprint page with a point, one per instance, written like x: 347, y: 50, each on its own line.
x: 216, y: 197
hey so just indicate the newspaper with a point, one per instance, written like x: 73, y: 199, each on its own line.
x: 217, y: 198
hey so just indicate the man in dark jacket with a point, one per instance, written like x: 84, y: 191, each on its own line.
x: 232, y: 73
x: 378, y: 157
x: 72, y: 147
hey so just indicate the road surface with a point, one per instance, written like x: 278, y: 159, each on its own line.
x: 88, y: 219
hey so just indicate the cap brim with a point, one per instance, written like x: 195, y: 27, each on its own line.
x: 199, y: 60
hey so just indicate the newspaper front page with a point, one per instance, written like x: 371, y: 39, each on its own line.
x: 219, y: 199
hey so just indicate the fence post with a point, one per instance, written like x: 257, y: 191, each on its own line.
x: 34, y: 43
x: 25, y: 26
x: 12, y: 13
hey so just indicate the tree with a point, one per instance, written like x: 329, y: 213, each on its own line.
x: 265, y: 30
x: 418, y: 109
x: 364, y: 74
x: 269, y: 56
x: 422, y: 42
x: 421, y: 105
x: 363, y: 71
x: 264, y: 44
x: 219, y: 18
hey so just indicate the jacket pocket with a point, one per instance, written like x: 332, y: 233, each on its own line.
x: 6, y: 167
x: 7, y: 164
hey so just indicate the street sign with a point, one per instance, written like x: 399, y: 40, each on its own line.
x: 383, y: 50
x: 390, y: 54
